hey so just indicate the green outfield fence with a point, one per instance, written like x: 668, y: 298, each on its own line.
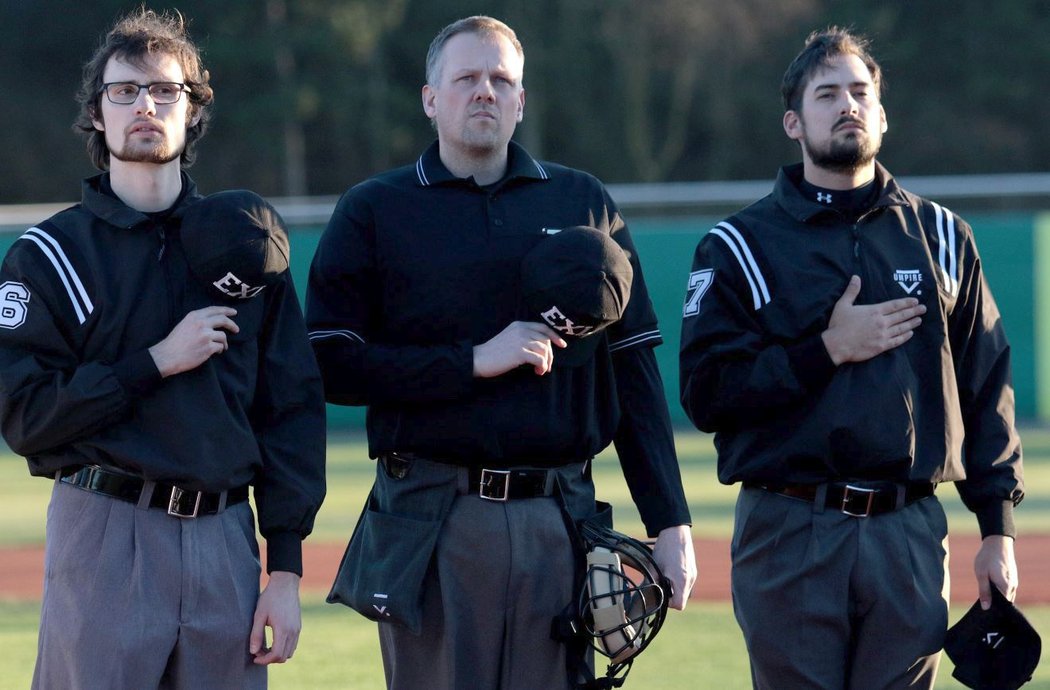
x: 1015, y: 252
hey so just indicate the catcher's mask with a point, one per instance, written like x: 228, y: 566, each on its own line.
x: 622, y: 601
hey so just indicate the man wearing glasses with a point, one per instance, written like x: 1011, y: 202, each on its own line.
x: 154, y: 404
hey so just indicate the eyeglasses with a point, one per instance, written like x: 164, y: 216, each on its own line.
x: 127, y: 92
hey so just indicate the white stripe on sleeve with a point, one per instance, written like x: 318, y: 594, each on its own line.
x: 736, y: 243
x: 66, y: 273
x: 946, y: 248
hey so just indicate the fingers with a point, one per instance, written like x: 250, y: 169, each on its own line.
x: 520, y: 343
x: 282, y: 649
x: 673, y: 553
x: 217, y: 318
x: 849, y: 296
x: 681, y: 592
x: 898, y: 328
x: 984, y: 592
x: 995, y: 566
x: 257, y: 639
x: 901, y: 309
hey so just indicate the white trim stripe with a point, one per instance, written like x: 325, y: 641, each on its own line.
x: 946, y: 248
x: 635, y: 340
x: 64, y: 269
x: 736, y: 243
x: 349, y: 335
x: 68, y: 264
x: 543, y: 173
x: 420, y: 173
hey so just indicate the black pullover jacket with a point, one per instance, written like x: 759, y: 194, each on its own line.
x: 84, y: 295
x: 754, y: 369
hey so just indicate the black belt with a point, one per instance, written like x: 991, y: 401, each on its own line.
x: 856, y: 499
x: 501, y: 485
x: 178, y: 502
x: 490, y: 484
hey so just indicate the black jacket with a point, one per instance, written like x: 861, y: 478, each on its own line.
x: 85, y: 294
x: 755, y: 371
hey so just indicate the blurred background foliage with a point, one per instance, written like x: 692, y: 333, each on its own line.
x: 315, y: 95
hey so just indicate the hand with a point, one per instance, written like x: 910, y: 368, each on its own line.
x: 857, y: 333
x: 995, y: 565
x: 200, y: 334
x: 522, y: 342
x: 673, y: 553
x: 278, y: 609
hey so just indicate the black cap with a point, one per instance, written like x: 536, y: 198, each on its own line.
x: 235, y: 242
x: 997, y: 649
x: 577, y: 281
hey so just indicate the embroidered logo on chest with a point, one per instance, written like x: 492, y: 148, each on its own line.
x: 909, y: 280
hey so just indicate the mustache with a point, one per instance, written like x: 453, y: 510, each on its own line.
x: 847, y: 120
x: 145, y: 121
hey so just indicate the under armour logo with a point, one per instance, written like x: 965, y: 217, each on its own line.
x: 235, y: 287
x: 824, y: 198
x: 908, y: 280
x: 994, y: 639
x: 564, y: 324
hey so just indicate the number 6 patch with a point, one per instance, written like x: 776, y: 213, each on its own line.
x: 699, y: 284
x: 13, y: 300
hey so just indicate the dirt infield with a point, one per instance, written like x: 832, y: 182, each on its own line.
x: 21, y: 578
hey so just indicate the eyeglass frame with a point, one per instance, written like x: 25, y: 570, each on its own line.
x: 183, y: 88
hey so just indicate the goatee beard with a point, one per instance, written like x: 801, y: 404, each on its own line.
x: 156, y: 156
x: 844, y: 157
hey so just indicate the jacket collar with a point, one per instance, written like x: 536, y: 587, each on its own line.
x: 430, y: 171
x: 116, y: 212
x: 787, y: 194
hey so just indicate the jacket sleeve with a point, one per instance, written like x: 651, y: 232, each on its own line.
x: 645, y: 443
x: 994, y: 481
x: 343, y: 314
x: 731, y: 371
x: 50, y: 396
x: 288, y: 417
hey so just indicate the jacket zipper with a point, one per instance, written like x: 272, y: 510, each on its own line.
x: 166, y: 270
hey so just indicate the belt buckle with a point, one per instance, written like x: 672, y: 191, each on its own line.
x: 490, y: 482
x: 865, y: 496
x: 175, y: 502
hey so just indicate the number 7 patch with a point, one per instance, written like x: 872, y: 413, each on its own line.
x: 699, y: 284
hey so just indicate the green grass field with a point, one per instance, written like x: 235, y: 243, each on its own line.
x: 699, y: 648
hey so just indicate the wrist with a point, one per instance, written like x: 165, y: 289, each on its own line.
x: 284, y: 578
x: 160, y: 360
x: 831, y: 345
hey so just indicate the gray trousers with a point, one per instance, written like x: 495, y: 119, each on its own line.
x: 135, y: 598
x: 500, y: 574
x: 833, y: 602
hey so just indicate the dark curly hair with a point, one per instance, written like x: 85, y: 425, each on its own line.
x: 135, y: 38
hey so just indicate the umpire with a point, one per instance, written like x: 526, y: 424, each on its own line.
x: 841, y: 341
x: 154, y: 396
x: 483, y: 431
